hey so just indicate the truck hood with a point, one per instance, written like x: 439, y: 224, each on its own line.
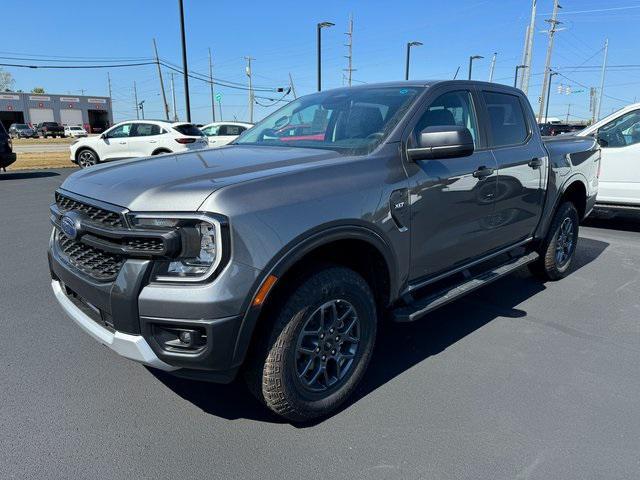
x: 183, y: 181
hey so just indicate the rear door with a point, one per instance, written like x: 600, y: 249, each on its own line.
x: 143, y: 139
x: 620, y: 171
x: 522, y: 165
x: 451, y: 199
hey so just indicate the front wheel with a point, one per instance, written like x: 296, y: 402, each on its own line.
x: 319, y: 348
x: 558, y: 248
x: 87, y: 158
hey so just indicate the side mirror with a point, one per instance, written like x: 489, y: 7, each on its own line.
x: 447, y: 141
x: 103, y: 136
x: 603, y: 142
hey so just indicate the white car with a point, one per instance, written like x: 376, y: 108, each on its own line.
x: 137, y: 138
x: 223, y: 133
x: 74, y: 131
x: 619, y: 137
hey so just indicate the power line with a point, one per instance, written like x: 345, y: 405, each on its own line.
x: 121, y: 65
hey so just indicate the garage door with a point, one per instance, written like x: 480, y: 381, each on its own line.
x: 39, y: 115
x: 71, y: 116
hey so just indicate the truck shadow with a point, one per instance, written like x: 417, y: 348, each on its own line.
x: 26, y: 175
x: 627, y: 222
x: 399, y: 346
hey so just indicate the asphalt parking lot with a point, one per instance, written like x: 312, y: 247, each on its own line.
x: 520, y: 380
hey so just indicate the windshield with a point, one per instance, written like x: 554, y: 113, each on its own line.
x: 349, y: 121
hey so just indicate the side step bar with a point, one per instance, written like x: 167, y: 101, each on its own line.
x: 424, y: 305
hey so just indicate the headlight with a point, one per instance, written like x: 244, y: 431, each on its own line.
x: 202, y: 245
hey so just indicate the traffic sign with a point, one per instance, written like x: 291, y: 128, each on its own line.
x: 218, y: 97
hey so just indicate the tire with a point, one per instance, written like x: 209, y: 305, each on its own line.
x: 87, y: 158
x: 558, y: 248
x: 299, y: 348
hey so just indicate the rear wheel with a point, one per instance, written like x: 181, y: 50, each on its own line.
x: 87, y: 158
x: 319, y: 348
x: 558, y: 249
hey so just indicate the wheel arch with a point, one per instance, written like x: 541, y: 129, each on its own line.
x: 354, y: 246
x: 160, y: 150
x: 575, y: 191
x: 84, y: 147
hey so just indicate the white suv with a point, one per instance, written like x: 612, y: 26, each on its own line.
x: 74, y: 131
x: 137, y: 138
x: 223, y: 133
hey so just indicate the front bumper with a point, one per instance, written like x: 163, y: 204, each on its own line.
x: 133, y: 347
x: 128, y: 314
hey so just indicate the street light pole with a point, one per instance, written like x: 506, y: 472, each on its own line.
x: 320, y: 26
x: 546, y: 112
x: 518, y: 67
x: 409, y: 45
x: 187, y: 103
x: 471, y: 59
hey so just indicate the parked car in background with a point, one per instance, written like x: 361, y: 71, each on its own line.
x: 137, y: 138
x: 223, y: 133
x: 553, y: 129
x: 278, y: 260
x: 619, y: 138
x: 50, y: 129
x: 22, y: 130
x: 74, y: 131
x: 7, y: 157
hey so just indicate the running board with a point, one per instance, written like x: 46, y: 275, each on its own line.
x: 424, y: 305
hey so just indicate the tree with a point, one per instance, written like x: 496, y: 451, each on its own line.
x: 37, y: 90
x: 6, y: 81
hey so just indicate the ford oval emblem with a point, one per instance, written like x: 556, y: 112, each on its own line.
x: 68, y: 226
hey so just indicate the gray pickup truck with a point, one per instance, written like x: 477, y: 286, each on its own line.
x: 276, y: 257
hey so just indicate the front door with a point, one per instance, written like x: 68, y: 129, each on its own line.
x: 115, y: 143
x: 451, y: 199
x: 522, y: 167
x: 620, y: 164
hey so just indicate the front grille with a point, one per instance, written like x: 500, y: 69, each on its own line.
x: 97, y: 264
x: 145, y: 244
x: 95, y: 214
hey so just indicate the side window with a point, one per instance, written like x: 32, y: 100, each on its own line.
x: 230, y: 130
x: 123, y: 130
x: 211, y: 131
x: 621, y: 132
x: 144, y: 130
x: 507, y: 120
x: 452, y: 108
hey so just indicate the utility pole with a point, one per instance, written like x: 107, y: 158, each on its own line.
x: 248, y: 71
x: 406, y: 68
x: 493, y: 66
x: 213, y: 101
x: 187, y: 103
x: 293, y: 88
x: 173, y: 97
x: 109, y: 83
x: 164, y: 96
x: 455, y: 75
x: 568, y: 112
x: 528, y: 50
x: 349, y: 46
x: 135, y: 97
x: 604, y: 70
x: 592, y: 103
x: 547, y: 67
x: 142, y: 108
x: 546, y: 113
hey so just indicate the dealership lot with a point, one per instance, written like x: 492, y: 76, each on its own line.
x: 518, y: 380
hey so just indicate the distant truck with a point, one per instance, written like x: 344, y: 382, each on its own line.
x: 619, y: 138
x: 278, y: 259
x: 50, y: 129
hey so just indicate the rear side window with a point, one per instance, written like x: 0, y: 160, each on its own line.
x: 506, y: 116
x: 189, y: 129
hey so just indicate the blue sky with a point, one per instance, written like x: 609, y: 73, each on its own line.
x: 281, y: 37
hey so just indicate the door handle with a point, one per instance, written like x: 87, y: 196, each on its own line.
x: 483, y: 172
x: 123, y: 143
x: 153, y: 141
x: 535, y: 163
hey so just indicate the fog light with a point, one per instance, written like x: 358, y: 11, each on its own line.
x: 186, y: 337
